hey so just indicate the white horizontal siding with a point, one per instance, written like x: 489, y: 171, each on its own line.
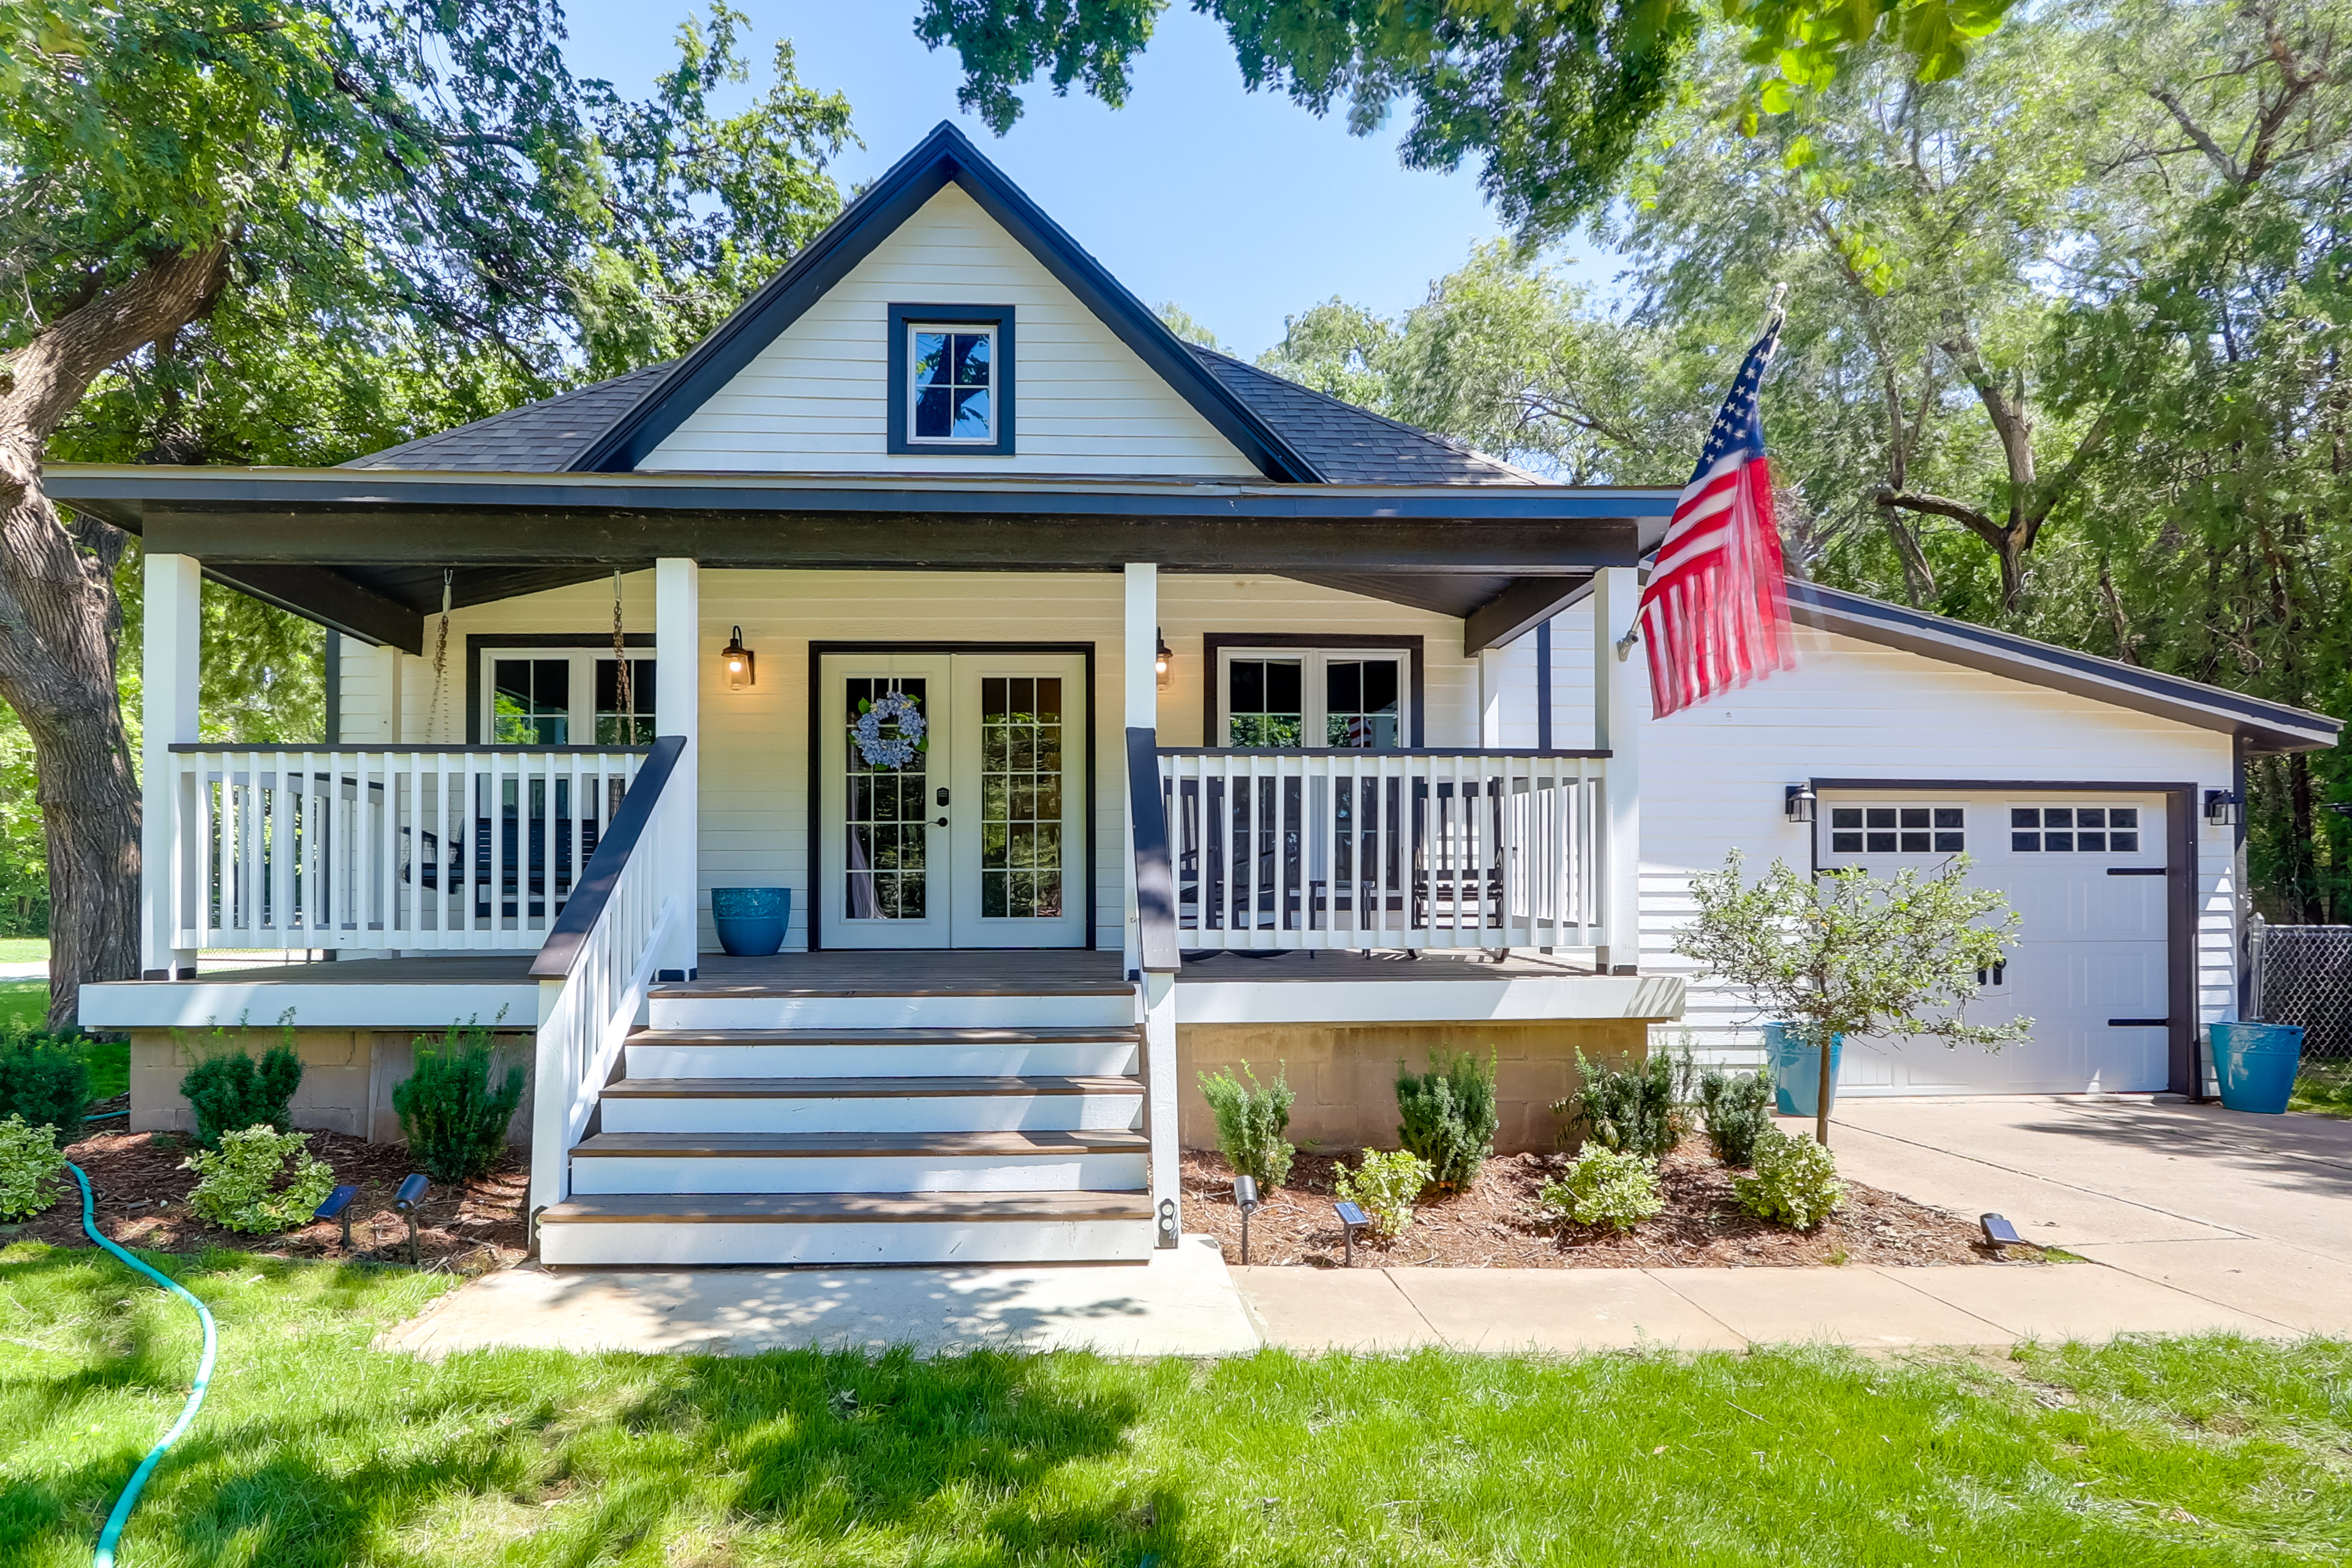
x: 1712, y: 777
x: 816, y: 400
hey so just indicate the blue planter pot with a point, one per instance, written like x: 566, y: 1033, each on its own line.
x: 2256, y: 1064
x: 751, y: 921
x: 1797, y: 1068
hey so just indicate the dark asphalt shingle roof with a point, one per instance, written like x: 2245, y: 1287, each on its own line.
x: 1346, y: 445
x: 541, y: 437
x: 1352, y: 446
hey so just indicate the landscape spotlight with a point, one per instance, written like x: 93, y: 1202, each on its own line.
x: 1352, y: 1218
x: 339, y: 1206
x: 1999, y: 1232
x: 408, y: 1200
x: 1246, y: 1200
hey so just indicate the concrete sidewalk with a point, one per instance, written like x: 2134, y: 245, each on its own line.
x: 1183, y: 1302
x: 1567, y: 1310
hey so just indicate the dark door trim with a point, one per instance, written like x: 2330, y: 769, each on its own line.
x: 2182, y: 1074
x: 815, y: 814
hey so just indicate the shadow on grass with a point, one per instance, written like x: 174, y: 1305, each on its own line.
x: 310, y: 1450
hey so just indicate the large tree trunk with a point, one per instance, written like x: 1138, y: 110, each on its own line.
x: 61, y: 624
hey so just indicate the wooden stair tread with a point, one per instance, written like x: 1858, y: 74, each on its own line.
x: 861, y: 1087
x: 823, y: 1208
x: 800, y: 1144
x: 1053, y: 1034
x: 948, y: 986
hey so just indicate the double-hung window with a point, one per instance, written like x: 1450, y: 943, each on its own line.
x: 951, y: 371
x: 1352, y: 699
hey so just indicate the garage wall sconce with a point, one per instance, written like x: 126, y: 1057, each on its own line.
x: 1798, y: 802
x: 2222, y: 807
x: 743, y: 664
x: 1163, y: 663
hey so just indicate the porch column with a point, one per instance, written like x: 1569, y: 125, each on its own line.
x: 678, y: 711
x: 1139, y: 689
x: 171, y: 645
x: 1617, y: 728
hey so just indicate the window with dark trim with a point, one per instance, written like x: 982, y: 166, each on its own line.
x: 951, y: 369
x: 1346, y: 699
x: 2074, y: 829
x: 1898, y: 830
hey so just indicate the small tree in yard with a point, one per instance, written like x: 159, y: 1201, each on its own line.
x: 1845, y: 952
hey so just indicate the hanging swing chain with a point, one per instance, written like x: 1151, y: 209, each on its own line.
x: 440, y: 657
x: 627, y: 697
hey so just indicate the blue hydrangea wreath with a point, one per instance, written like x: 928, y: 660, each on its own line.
x: 899, y: 746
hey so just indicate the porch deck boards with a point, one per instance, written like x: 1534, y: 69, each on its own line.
x: 860, y: 1088
x: 813, y: 1208
x: 933, y: 972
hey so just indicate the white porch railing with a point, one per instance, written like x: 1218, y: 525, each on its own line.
x: 597, y: 966
x: 461, y: 848
x: 1280, y: 849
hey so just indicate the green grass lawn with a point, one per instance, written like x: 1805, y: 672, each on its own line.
x: 313, y: 1449
x: 2324, y: 1088
x: 25, y: 1002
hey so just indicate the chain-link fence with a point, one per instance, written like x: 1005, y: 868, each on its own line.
x: 2302, y: 975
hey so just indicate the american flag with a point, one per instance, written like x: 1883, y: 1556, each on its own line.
x: 1715, y: 614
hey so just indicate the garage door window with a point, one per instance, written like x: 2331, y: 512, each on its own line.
x: 2074, y: 829
x: 1897, y: 830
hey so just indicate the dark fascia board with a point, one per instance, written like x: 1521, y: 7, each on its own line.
x: 2267, y: 726
x: 322, y: 594
x: 945, y: 155
x: 1517, y: 610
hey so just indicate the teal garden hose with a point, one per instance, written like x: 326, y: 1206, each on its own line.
x: 124, y: 1504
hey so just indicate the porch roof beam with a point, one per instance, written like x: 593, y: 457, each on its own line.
x: 327, y: 597
x: 1274, y: 542
x: 1514, y: 611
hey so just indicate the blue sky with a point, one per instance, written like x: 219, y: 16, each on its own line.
x: 1241, y: 207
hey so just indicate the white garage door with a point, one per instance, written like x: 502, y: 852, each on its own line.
x: 2085, y: 873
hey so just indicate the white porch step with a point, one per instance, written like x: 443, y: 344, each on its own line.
x: 847, y: 1228
x: 884, y: 1105
x: 702, y: 1163
x: 1059, y: 1052
x: 954, y: 1004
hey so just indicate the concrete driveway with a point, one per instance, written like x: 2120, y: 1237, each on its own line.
x: 2228, y: 1206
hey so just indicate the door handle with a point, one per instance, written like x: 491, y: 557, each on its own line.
x: 943, y: 822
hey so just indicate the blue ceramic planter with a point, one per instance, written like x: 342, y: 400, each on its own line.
x: 1797, y: 1068
x: 2256, y: 1064
x: 751, y: 921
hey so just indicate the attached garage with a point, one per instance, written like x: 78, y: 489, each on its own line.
x: 2097, y: 796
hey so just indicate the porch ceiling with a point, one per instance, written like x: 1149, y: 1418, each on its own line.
x: 363, y: 551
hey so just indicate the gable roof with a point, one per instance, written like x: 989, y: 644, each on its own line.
x: 2264, y: 726
x: 542, y: 437
x: 944, y: 157
x: 1349, y: 445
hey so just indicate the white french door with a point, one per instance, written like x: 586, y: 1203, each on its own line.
x: 976, y: 837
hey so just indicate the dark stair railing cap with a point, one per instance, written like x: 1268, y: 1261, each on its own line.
x: 603, y: 874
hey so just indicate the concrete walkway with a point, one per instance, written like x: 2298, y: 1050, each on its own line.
x: 1180, y: 1303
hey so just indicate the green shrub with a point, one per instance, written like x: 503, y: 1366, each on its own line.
x: 1738, y: 1110
x: 456, y: 1123
x: 1447, y: 1116
x: 1604, y: 1187
x: 29, y: 1164
x: 1637, y: 1111
x: 45, y: 1079
x: 229, y: 1091
x: 1795, y: 1182
x: 1387, y: 1186
x: 237, y: 1184
x: 1250, y: 1123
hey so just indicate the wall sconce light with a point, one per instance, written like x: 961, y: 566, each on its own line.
x: 1798, y: 802
x: 2222, y: 807
x: 1164, y: 663
x: 742, y: 665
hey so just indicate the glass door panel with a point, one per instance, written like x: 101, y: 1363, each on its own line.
x: 883, y: 867
x: 1020, y: 784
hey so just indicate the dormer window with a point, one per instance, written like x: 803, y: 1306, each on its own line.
x: 951, y: 379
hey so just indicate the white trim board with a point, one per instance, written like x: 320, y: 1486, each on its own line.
x: 1532, y: 999
x: 199, y: 1005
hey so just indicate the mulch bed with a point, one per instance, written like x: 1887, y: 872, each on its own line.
x: 143, y: 1196
x: 1497, y: 1223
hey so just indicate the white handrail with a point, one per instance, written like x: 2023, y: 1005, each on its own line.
x: 472, y: 848
x: 1386, y: 849
x: 596, y: 970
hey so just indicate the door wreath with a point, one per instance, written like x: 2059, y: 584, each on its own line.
x: 894, y: 746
